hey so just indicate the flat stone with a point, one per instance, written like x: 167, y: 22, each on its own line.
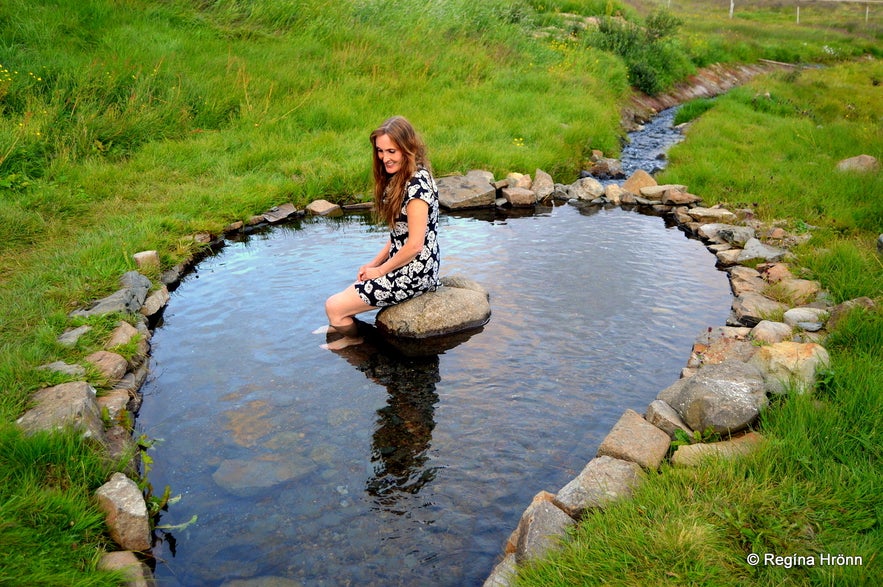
x: 692, y: 455
x: 128, y: 299
x: 755, y: 250
x: 280, y: 213
x: 115, y: 402
x: 750, y: 308
x: 323, y: 208
x: 249, y: 477
x: 519, y: 197
x: 635, y: 439
x: 675, y: 197
x: 67, y: 369
x: 602, y: 481
x: 123, y: 503
x: 745, y: 279
x: 721, y: 344
x: 70, y: 337
x: 796, y: 316
x: 664, y: 417
x: 657, y: 192
x: 613, y: 193
x: 799, y: 291
x: 66, y: 405
x: 459, y: 192
x: 155, y: 302
x: 708, y: 215
x: 111, y: 365
x: 728, y: 257
x: 726, y: 397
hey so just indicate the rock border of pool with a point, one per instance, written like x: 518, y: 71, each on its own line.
x: 620, y: 463
x: 765, y: 348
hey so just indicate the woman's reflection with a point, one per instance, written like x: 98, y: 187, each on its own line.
x: 401, y: 441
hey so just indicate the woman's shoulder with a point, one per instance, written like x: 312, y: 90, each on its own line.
x: 421, y: 181
x: 421, y: 175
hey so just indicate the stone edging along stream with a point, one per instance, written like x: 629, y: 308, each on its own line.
x: 634, y: 444
x: 767, y: 346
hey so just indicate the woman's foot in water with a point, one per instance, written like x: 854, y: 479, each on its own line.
x: 342, y: 343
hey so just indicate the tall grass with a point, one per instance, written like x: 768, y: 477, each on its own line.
x: 49, y: 526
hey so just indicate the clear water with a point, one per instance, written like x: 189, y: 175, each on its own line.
x: 366, y: 467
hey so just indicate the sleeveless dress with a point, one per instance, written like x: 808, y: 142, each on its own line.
x: 421, y: 273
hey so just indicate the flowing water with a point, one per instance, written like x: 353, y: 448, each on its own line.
x: 370, y: 466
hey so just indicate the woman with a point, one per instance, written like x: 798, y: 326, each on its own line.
x: 406, y: 198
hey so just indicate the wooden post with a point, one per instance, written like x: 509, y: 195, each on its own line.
x: 732, y: 2
x: 798, y: 11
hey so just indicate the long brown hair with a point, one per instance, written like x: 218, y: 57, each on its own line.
x: 389, y: 190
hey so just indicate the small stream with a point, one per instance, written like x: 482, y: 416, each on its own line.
x: 368, y: 467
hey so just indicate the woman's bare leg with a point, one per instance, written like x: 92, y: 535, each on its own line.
x: 340, y: 308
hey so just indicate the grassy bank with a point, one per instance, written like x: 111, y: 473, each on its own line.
x: 813, y: 489
x: 127, y: 126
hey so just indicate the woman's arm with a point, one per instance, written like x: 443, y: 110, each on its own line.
x: 418, y: 219
x: 382, y: 256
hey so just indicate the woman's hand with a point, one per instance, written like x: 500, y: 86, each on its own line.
x: 366, y: 272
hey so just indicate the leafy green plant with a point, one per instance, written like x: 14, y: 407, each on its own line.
x: 682, y: 438
x: 653, y: 57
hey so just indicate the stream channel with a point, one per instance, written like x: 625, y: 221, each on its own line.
x: 370, y: 467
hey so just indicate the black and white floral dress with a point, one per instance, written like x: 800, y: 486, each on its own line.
x: 421, y: 273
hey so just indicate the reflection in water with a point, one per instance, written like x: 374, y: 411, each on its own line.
x: 413, y: 467
x: 403, y: 436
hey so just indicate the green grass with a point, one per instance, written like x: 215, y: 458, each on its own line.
x: 813, y: 489
x: 127, y: 126
x: 49, y: 526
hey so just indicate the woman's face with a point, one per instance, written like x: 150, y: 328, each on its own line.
x: 389, y: 154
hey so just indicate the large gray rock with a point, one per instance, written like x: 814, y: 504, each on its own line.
x: 68, y: 404
x: 602, y: 481
x: 459, y: 304
x: 543, y: 185
x: 726, y: 397
x: 757, y: 251
x: 586, y: 189
x: 473, y: 190
x: 787, y: 365
x: 127, y: 299
x: 127, y: 518
x: 860, y: 163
